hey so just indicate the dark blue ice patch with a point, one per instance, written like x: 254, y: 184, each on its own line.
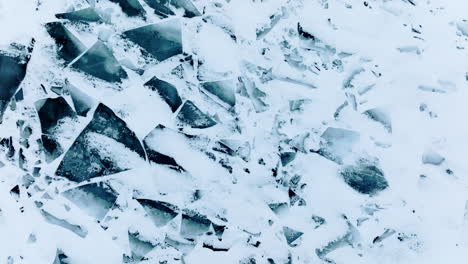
x: 83, y: 15
x: 51, y: 111
x: 82, y: 102
x: 138, y: 247
x: 80, y: 164
x: 167, y: 91
x: 99, y: 62
x: 365, y: 177
x: 191, y: 115
x: 163, y: 7
x: 69, y: 46
x: 130, y: 7
x: 162, y: 40
x: 291, y: 235
x: 52, y: 148
x: 12, y: 72
x: 287, y: 157
x: 194, y: 224
x: 160, y: 212
x: 223, y: 90
x: 96, y: 199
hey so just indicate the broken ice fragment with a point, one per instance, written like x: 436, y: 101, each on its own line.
x: 162, y: 7
x: 181, y: 244
x: 274, y: 20
x: 365, y: 177
x: 7, y: 143
x: 160, y: 212
x: 298, y: 142
x: 51, y: 112
x: 130, y: 7
x: 233, y: 148
x: 279, y: 208
x: 387, y: 233
x: 162, y: 159
x: 107, y: 123
x: 190, y: 114
x: 167, y: 91
x: 295, y: 198
x: 304, y: 34
x: 96, y: 199
x: 157, y: 157
x: 348, y: 81
x: 81, y: 101
x: 69, y: 46
x: 337, y: 143
x: 60, y: 257
x: 213, y: 248
x: 57, y: 90
x: 84, y: 161
x: 219, y: 230
x: 138, y: 246
x: 291, y: 235
x: 194, y: 224
x: 223, y: 90
x: 340, y: 108
x: 12, y: 72
x: 27, y: 180
x: 432, y: 157
x: 15, y: 192
x: 223, y: 148
x: 162, y: 40
x: 19, y: 96
x: 379, y: 115
x: 188, y: 6
x: 287, y: 157
x: 348, y: 239
x: 63, y: 223
x: 99, y: 62
x: 256, y: 95
x: 318, y: 220
x: 298, y: 105
x: 87, y: 14
x: 51, y: 147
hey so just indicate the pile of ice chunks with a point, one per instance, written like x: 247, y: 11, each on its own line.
x: 224, y: 148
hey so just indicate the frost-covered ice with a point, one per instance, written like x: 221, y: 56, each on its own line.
x: 233, y: 131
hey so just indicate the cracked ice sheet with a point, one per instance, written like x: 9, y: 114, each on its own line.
x: 421, y: 120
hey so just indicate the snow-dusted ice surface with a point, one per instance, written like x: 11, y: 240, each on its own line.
x: 233, y: 131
